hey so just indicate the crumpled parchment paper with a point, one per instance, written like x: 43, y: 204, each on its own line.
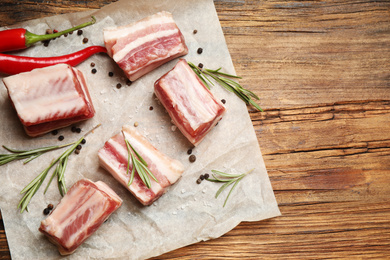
x: 188, y: 212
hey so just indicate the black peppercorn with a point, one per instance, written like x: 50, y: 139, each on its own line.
x: 200, y: 65
x: 46, y: 43
x: 198, y: 181
x: 195, y: 31
x: 118, y: 86
x: 189, y: 151
x: 192, y: 158
x: 128, y: 82
x: 92, y: 64
x: 201, y: 177
x: 61, y: 137
x: 46, y: 211
x: 76, y: 151
x: 73, y: 129
x: 78, y: 130
x: 110, y: 74
x: 150, y: 108
x: 199, y: 51
x: 79, y: 32
x: 93, y: 71
x: 50, y: 206
x: 83, y: 141
x: 54, y: 132
x: 78, y: 147
x: 85, y: 40
x: 223, y: 101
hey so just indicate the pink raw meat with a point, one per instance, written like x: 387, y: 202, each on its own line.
x: 191, y: 105
x: 114, y: 158
x: 49, y: 98
x: 145, y: 45
x: 80, y: 213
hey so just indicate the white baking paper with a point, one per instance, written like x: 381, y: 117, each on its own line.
x: 188, y: 212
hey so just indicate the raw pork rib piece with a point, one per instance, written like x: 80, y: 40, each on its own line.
x: 113, y: 157
x: 145, y: 45
x: 49, y: 98
x: 191, y: 105
x: 80, y: 213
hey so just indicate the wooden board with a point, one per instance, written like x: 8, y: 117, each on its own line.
x: 322, y: 71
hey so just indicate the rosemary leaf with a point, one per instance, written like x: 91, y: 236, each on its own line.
x: 230, y: 85
x: 226, y: 174
x: 138, y: 164
x: 228, y: 180
x: 30, y: 190
x: 29, y: 154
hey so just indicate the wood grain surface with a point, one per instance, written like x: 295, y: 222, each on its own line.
x: 322, y: 70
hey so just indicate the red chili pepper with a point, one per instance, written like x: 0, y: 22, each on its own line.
x: 11, y: 64
x: 17, y: 39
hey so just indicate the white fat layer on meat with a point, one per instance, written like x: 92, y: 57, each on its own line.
x: 114, y: 33
x: 118, y: 56
x: 201, y: 107
x: 105, y: 188
x: 66, y: 213
x: 156, y: 61
x: 44, y: 93
x: 170, y: 168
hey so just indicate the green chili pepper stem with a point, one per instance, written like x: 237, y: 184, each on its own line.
x: 32, y: 38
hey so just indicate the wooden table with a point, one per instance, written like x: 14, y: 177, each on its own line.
x: 322, y: 70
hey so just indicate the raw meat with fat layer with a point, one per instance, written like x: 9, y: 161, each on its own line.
x: 145, y: 45
x: 49, y: 98
x: 191, y: 105
x: 114, y: 158
x: 80, y: 213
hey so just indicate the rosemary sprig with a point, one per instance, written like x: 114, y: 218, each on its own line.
x: 139, y: 165
x: 31, y: 188
x: 224, y: 80
x: 27, y: 154
x: 228, y: 180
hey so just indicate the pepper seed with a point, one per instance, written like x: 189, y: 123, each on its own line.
x: 85, y: 40
x: 61, y: 137
x: 200, y: 65
x: 50, y: 206
x: 93, y: 71
x: 199, y: 51
x: 83, y: 141
x: 198, y: 181
x: 206, y: 176
x: 128, y: 82
x: 135, y: 124
x: 192, y: 158
x: 76, y: 151
x: 189, y: 151
x: 201, y: 177
x: 46, y: 211
x: 118, y: 86
x: 92, y: 64
x: 54, y: 132
x: 195, y: 31
x: 223, y: 101
x: 110, y: 74
x: 78, y: 147
x: 79, y: 32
